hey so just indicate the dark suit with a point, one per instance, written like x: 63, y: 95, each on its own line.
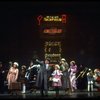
x: 42, y: 78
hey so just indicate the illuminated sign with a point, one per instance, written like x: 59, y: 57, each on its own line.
x: 52, y: 26
x: 54, y: 58
x: 52, y: 18
x: 53, y: 50
x: 39, y: 18
x: 63, y: 18
x: 52, y: 31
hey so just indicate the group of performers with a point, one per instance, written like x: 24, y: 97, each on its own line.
x: 41, y: 75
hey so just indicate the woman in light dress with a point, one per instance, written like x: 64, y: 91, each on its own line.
x: 12, y: 75
x: 56, y: 78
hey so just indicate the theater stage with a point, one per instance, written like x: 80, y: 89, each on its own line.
x: 51, y: 95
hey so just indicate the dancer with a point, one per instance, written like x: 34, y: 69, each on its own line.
x: 22, y: 78
x: 96, y: 77
x: 12, y: 75
x: 65, y: 78
x: 90, y: 80
x: 31, y: 76
x: 56, y: 78
x: 73, y: 71
x: 43, y: 76
x: 2, y: 77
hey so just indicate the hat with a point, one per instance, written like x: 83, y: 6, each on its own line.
x: 47, y: 59
x: 15, y: 63
x: 73, y: 61
x: 63, y: 59
x: 89, y: 69
x: 23, y: 66
x: 96, y: 70
x: 57, y: 66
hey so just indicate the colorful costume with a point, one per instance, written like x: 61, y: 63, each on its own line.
x: 56, y: 78
x: 90, y: 80
x: 12, y: 76
x: 97, y: 79
x: 73, y: 70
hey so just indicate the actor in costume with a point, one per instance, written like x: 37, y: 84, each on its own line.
x: 73, y: 71
x: 90, y: 80
x: 12, y: 75
x: 97, y: 79
x: 31, y: 76
x: 2, y: 77
x: 22, y: 78
x: 43, y: 76
x: 56, y: 78
x: 65, y: 78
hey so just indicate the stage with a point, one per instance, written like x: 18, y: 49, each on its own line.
x: 51, y: 95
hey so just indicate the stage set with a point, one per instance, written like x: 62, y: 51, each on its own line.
x: 51, y: 95
x: 71, y: 35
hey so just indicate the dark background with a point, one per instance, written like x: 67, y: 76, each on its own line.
x: 19, y: 34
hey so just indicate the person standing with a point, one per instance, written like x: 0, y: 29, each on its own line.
x: 73, y: 71
x: 90, y: 80
x: 2, y: 78
x: 10, y: 64
x: 56, y: 78
x: 65, y: 78
x: 12, y: 75
x: 31, y: 76
x: 22, y: 78
x: 96, y: 78
x: 43, y: 76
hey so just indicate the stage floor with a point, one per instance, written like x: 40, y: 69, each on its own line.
x: 51, y: 95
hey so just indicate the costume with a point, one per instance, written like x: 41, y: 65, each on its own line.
x: 43, y: 77
x: 90, y: 80
x: 2, y: 78
x: 73, y: 70
x: 31, y: 76
x: 12, y: 76
x: 65, y: 78
x: 56, y: 80
x: 22, y: 78
x: 97, y: 78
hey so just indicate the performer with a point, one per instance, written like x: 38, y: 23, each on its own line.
x: 56, y: 79
x: 2, y: 77
x: 31, y: 76
x: 97, y: 79
x: 43, y: 77
x: 73, y: 71
x: 65, y: 78
x: 22, y: 78
x: 10, y: 64
x: 28, y: 71
x: 90, y: 80
x: 12, y: 75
